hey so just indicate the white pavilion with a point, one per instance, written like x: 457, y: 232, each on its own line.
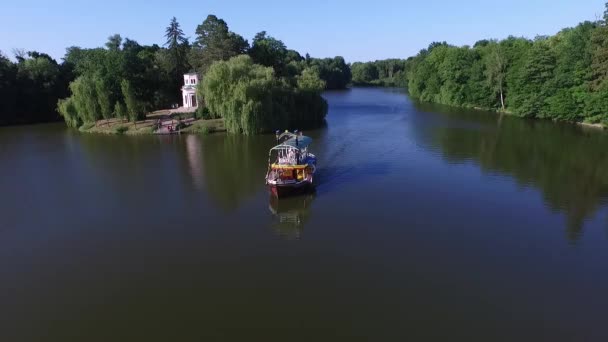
x: 189, y: 90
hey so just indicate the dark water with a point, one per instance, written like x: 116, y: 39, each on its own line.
x: 428, y: 224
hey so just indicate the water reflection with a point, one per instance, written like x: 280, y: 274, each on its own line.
x: 234, y: 166
x: 290, y: 214
x: 195, y: 160
x: 567, y: 163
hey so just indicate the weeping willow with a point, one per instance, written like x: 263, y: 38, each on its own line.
x: 68, y: 111
x: 252, y: 100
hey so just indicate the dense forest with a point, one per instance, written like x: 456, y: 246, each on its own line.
x: 562, y: 77
x: 30, y: 88
x: 124, y: 79
x: 383, y: 73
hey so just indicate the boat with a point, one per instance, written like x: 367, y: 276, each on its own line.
x: 291, y: 168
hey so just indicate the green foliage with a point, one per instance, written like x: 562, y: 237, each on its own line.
x: 101, y: 72
x: 202, y: 112
x: 103, y: 98
x: 120, y: 111
x: 268, y: 51
x: 562, y: 77
x: 241, y: 93
x: 93, y: 78
x: 204, y: 130
x: 215, y: 42
x: 133, y: 105
x: 85, y: 99
x: 31, y: 87
x: 387, y: 73
x: 173, y: 62
x: 364, y: 73
x: 174, y: 35
x: 252, y: 100
x: 495, y: 69
x: 599, y: 67
x: 530, y: 83
x: 114, y: 42
x: 310, y: 81
x: 87, y: 126
x: 121, y: 129
x: 68, y: 111
x: 334, y: 71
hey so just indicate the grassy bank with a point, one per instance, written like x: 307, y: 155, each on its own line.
x: 145, y: 127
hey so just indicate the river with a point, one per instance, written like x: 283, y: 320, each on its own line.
x: 428, y: 223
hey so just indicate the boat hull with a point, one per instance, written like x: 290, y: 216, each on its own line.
x: 286, y: 190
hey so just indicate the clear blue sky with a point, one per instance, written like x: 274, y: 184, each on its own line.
x: 357, y: 30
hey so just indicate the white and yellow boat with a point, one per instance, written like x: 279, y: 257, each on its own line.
x: 291, y: 167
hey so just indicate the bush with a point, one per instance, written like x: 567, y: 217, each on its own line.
x: 204, y: 130
x: 202, y: 113
x: 121, y: 129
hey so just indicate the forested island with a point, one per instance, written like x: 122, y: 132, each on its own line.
x: 261, y: 86
x: 267, y: 85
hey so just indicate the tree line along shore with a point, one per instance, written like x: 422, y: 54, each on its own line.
x: 255, y: 87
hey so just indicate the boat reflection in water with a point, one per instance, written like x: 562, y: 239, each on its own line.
x: 290, y: 214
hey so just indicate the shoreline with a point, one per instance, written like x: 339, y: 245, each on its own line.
x: 597, y: 126
x: 147, y: 127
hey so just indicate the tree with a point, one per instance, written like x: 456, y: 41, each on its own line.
x: 31, y: 87
x: 177, y: 45
x: 69, y: 112
x: 310, y: 81
x: 599, y: 67
x: 531, y: 82
x: 133, y: 105
x: 174, y: 35
x: 334, y: 71
x: 268, y: 51
x: 496, y: 70
x: 252, y: 100
x: 214, y: 42
x: 364, y: 73
x: 103, y: 98
x: 114, y: 42
x: 84, y: 97
x: 120, y: 111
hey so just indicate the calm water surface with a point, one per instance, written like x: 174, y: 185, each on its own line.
x: 428, y: 223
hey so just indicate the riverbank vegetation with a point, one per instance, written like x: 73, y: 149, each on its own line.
x: 125, y: 80
x: 148, y: 125
x: 252, y: 99
x: 562, y: 77
x: 254, y: 88
x: 381, y: 73
x: 31, y: 86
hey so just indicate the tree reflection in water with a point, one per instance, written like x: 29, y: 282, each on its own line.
x: 567, y: 163
x: 234, y: 166
x: 290, y: 214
